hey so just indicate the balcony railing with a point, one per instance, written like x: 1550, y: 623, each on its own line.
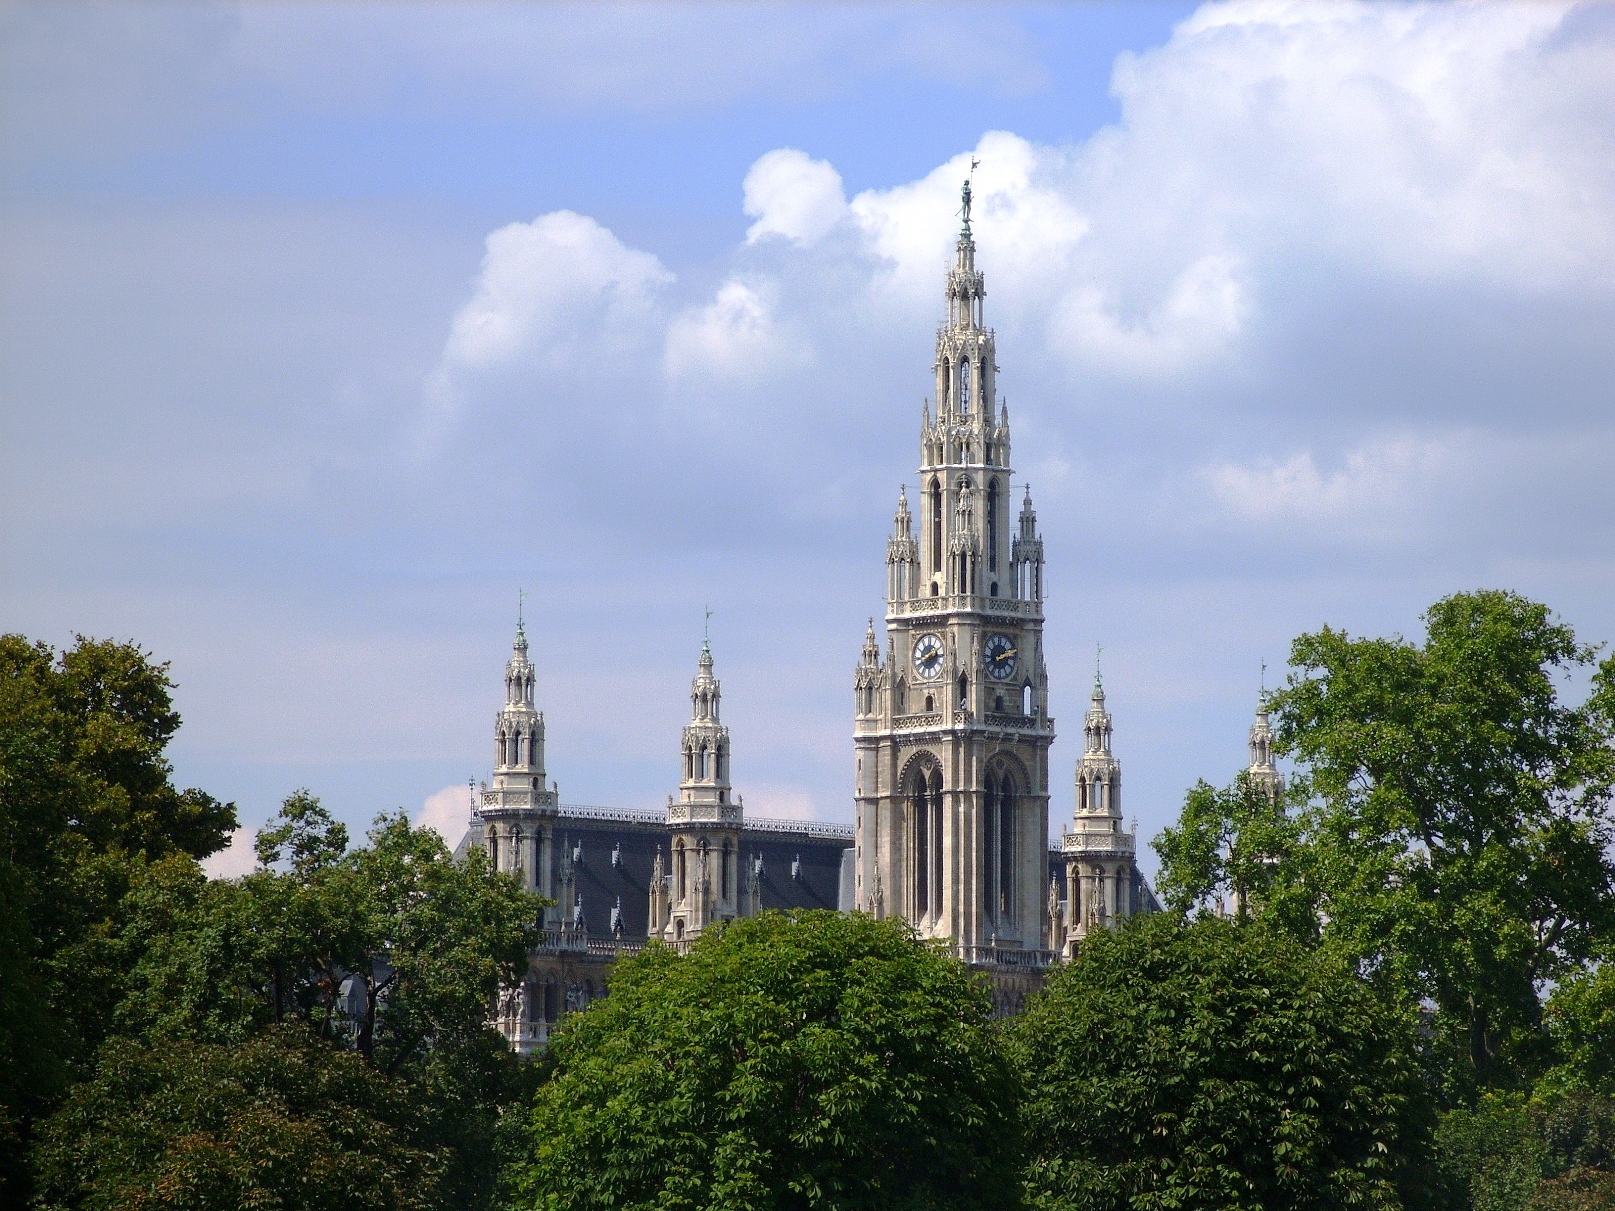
x: 1098, y: 843
x: 1000, y: 956
x: 975, y: 602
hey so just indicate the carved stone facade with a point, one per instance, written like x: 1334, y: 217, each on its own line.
x: 1103, y: 885
x: 615, y: 874
x: 951, y: 729
x: 703, y: 885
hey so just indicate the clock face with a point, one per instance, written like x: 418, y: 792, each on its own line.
x: 1000, y: 657
x: 928, y: 656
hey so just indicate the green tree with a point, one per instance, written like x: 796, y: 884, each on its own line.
x: 278, y: 1120
x: 86, y: 799
x: 1235, y: 846
x: 790, y: 1061
x: 1552, y: 1151
x: 1458, y: 840
x: 392, y: 949
x: 1187, y: 1064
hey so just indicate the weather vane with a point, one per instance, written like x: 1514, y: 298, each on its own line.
x: 521, y: 606
x: 706, y: 627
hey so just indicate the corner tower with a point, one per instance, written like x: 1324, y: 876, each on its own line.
x: 1101, y: 860
x: 951, y: 728
x: 518, y: 811
x: 703, y: 885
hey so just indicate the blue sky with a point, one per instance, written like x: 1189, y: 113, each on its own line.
x: 325, y: 328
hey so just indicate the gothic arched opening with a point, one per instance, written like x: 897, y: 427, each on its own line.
x: 998, y: 842
x: 923, y: 795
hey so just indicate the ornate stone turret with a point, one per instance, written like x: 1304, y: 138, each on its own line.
x: 902, y: 552
x: 1262, y: 771
x: 659, y: 898
x: 1101, y: 868
x: 705, y: 820
x: 517, y: 811
x: 952, y: 732
x: 1026, y: 552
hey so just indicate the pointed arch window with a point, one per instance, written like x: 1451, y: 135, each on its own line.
x: 964, y: 386
x: 992, y: 529
x: 936, y: 527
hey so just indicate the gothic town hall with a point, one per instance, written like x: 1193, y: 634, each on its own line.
x: 951, y: 739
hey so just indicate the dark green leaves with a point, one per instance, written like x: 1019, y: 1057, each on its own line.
x: 1209, y: 1064
x: 815, y: 1060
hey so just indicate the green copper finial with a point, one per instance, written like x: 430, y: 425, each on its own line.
x: 1098, y: 654
x: 521, y: 611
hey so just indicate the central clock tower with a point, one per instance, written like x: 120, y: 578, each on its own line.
x: 951, y: 727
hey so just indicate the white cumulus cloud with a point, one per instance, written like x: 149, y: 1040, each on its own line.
x: 560, y: 293
x: 1379, y: 478
x: 235, y: 859
x: 448, y: 811
x: 736, y: 336
x: 793, y: 195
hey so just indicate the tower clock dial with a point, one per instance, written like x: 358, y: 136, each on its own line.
x: 1000, y: 657
x: 928, y: 656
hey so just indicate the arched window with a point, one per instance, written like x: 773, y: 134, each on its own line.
x: 992, y: 530
x: 1026, y: 698
x: 930, y: 704
x: 902, y: 694
x: 964, y: 691
x: 936, y: 529
x: 706, y: 760
x: 964, y: 386
x: 679, y: 871
x: 723, y: 877
x: 1006, y: 846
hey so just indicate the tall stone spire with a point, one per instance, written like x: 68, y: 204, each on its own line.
x: 706, y: 818
x: 952, y: 732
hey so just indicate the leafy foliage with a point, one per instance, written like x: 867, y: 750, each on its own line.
x: 1238, y: 844
x: 86, y: 800
x: 1209, y: 1064
x: 393, y: 950
x: 274, y: 1121
x: 1551, y: 1151
x: 1462, y: 826
x: 790, y: 1061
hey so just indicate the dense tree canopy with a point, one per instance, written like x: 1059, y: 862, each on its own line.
x: 1451, y: 830
x: 1462, y: 829
x: 802, y: 1061
x: 385, y: 957
x: 274, y: 1121
x: 1206, y: 1064
x: 86, y: 799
